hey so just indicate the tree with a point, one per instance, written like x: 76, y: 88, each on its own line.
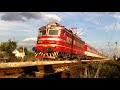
x: 27, y: 52
x: 8, y: 46
x: 6, y: 49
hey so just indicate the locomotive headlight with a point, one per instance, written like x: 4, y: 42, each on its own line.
x: 54, y: 46
x: 52, y: 42
x: 46, y: 45
x: 39, y: 41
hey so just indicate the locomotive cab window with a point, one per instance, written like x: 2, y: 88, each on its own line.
x: 53, y: 32
x: 42, y: 32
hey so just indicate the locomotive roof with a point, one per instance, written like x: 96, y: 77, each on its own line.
x: 71, y: 32
x: 43, y: 27
x: 54, y: 24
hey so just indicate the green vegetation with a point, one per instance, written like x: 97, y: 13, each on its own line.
x: 6, y: 49
x: 109, y: 69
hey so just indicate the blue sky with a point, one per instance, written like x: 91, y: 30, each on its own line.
x: 95, y: 28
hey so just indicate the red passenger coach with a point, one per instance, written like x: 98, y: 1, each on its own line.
x: 91, y: 52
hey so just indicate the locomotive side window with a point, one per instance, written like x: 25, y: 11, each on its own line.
x: 53, y: 32
x: 63, y: 34
x: 78, y: 44
x: 42, y: 32
x: 69, y: 40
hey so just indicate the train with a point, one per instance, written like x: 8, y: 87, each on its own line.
x: 55, y: 41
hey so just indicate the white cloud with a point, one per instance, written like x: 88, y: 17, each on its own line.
x: 18, y: 30
x: 20, y: 16
x: 51, y: 17
x: 112, y: 27
x: 28, y: 42
x: 15, y: 27
x: 6, y: 25
x: 116, y: 16
x: 30, y: 39
x: 25, y: 16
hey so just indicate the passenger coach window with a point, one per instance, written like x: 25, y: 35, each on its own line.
x: 42, y: 32
x: 53, y: 32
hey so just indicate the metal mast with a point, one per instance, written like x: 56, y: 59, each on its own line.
x: 116, y: 51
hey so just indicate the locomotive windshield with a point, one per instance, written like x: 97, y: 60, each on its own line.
x: 42, y: 32
x: 53, y: 32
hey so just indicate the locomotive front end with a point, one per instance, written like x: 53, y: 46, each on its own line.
x: 48, y: 41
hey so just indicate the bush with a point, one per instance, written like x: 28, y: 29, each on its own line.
x: 109, y: 69
x: 8, y: 46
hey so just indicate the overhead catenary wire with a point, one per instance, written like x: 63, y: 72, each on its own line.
x: 111, y: 36
x: 100, y: 24
x: 112, y: 42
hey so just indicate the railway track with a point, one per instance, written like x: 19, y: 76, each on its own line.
x: 38, y: 69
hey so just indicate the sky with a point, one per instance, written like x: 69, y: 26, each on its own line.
x: 99, y: 29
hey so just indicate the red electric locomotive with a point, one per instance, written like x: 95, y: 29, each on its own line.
x: 55, y: 41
